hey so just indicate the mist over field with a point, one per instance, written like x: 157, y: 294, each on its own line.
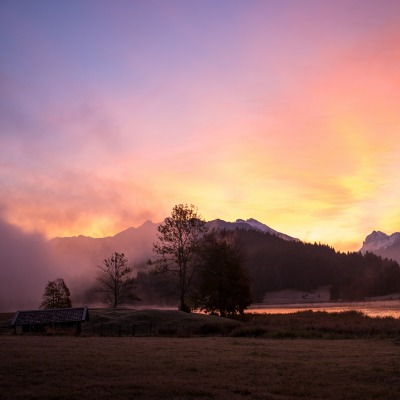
x: 26, y: 265
x: 28, y: 262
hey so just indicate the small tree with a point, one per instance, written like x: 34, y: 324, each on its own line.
x: 179, y: 239
x: 116, y: 283
x: 56, y: 295
x: 223, y: 285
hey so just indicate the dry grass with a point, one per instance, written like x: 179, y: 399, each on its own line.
x: 164, y: 322
x: 319, y: 324
x: 304, y: 324
x: 202, y: 368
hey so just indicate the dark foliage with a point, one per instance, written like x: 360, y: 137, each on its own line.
x: 277, y: 264
x: 56, y: 295
x: 223, y: 286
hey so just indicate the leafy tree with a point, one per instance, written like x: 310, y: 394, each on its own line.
x: 116, y: 283
x: 56, y: 295
x: 223, y: 285
x: 179, y: 239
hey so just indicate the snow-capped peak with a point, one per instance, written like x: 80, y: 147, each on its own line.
x: 263, y: 228
x: 257, y: 225
x: 378, y: 240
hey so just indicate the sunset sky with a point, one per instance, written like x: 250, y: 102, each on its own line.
x: 286, y: 111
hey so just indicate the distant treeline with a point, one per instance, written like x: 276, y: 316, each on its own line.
x: 276, y: 264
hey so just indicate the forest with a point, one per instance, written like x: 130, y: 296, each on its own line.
x: 274, y: 264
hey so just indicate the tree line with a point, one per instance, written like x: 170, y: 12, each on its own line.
x: 222, y: 272
x: 273, y: 264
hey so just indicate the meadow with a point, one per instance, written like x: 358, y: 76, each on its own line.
x: 304, y: 324
x: 197, y: 368
x: 288, y: 356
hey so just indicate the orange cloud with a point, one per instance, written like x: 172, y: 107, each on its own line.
x: 294, y: 122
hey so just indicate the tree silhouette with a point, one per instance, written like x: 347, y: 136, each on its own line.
x: 56, y: 295
x: 223, y: 285
x: 179, y: 239
x: 116, y: 283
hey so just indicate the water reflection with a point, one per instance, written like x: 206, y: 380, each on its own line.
x: 387, y: 308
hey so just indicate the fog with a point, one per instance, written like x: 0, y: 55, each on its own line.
x: 27, y: 263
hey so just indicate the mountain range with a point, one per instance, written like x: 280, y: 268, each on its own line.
x: 274, y: 261
x: 136, y: 243
x: 248, y: 224
x: 386, y: 246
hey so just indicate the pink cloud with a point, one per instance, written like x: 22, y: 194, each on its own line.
x: 26, y: 266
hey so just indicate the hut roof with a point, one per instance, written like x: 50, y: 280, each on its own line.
x: 56, y: 315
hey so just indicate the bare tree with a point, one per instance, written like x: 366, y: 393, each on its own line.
x: 179, y: 238
x: 116, y: 283
x: 56, y: 295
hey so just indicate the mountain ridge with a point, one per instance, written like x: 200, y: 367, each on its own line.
x: 379, y: 243
x: 136, y: 242
x: 250, y: 223
x: 274, y: 261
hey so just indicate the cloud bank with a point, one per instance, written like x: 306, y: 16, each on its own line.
x: 27, y: 263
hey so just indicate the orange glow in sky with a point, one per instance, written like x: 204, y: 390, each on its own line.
x: 283, y: 111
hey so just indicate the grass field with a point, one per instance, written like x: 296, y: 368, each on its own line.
x: 263, y: 357
x: 304, y: 324
x: 165, y: 322
x: 51, y: 367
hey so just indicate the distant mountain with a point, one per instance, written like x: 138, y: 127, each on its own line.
x: 384, y: 245
x: 83, y: 252
x: 249, y: 224
x: 274, y: 261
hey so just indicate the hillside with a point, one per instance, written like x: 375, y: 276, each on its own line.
x: 161, y: 320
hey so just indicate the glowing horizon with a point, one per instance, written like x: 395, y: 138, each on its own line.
x: 286, y: 112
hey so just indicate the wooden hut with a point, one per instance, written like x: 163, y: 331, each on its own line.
x: 57, y: 319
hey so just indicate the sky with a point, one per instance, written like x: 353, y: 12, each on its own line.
x: 112, y: 112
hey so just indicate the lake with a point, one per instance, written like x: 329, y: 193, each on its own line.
x: 385, y: 308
